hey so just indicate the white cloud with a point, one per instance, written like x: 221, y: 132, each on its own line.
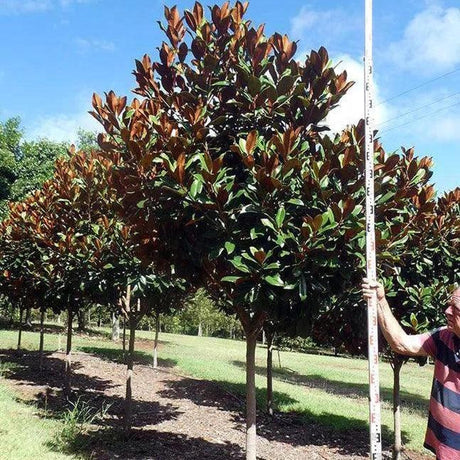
x: 431, y: 41
x: 86, y: 45
x: 351, y: 106
x: 334, y: 28
x: 307, y: 19
x: 63, y: 127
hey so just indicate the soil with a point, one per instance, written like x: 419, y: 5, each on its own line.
x: 174, y: 416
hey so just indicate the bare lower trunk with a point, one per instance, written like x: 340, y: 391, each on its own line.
x: 397, y: 364
x: 115, y: 327
x: 200, y: 330
x: 81, y: 320
x: 269, y: 338
x: 129, y: 374
x: 28, y: 321
x: 42, y: 334
x: 21, y: 311
x: 251, y: 434
x: 68, y: 360
x: 124, y: 339
x: 155, y: 343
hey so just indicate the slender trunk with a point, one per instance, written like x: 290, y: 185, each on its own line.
x: 21, y: 311
x: 264, y: 337
x: 251, y: 434
x: 68, y: 360
x: 59, y: 319
x: 200, y: 330
x: 129, y: 373
x: 124, y: 339
x: 127, y: 312
x: 42, y: 334
x: 115, y: 327
x: 397, y: 364
x: 155, y: 343
x: 81, y: 320
x: 27, y: 321
x: 269, y: 338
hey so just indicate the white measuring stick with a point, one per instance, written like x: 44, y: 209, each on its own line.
x: 374, y: 388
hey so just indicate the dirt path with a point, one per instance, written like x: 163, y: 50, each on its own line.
x: 175, y: 417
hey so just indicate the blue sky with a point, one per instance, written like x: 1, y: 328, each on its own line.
x: 56, y: 53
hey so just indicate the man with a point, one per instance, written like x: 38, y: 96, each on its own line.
x: 443, y: 344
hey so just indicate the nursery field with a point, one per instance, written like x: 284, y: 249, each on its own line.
x: 194, y: 401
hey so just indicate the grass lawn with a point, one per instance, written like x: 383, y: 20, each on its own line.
x: 328, y: 390
x: 23, y: 436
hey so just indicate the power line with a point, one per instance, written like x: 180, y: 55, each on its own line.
x: 419, y: 86
x: 419, y: 108
x: 419, y: 118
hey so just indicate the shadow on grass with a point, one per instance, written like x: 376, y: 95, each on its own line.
x: 414, y: 402
x: 115, y: 355
x: 90, y: 392
x: 112, y: 443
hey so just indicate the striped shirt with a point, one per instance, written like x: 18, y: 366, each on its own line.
x: 443, y: 432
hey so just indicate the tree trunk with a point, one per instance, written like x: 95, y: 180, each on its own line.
x: 129, y: 373
x: 269, y: 339
x: 397, y: 364
x: 27, y: 321
x: 21, y: 311
x: 155, y: 343
x: 264, y: 337
x: 42, y: 334
x: 251, y: 406
x: 81, y: 320
x: 68, y: 360
x: 115, y: 327
x: 124, y: 339
x: 200, y: 330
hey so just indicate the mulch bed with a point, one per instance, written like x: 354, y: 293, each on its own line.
x: 174, y: 416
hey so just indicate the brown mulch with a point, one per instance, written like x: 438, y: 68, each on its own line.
x: 174, y: 416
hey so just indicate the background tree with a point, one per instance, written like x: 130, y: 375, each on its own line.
x: 25, y: 165
x: 409, y: 235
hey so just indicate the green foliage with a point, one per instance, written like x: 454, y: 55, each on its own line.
x: 227, y: 129
x: 199, y: 316
x: 24, y: 165
x: 36, y: 165
x: 86, y: 140
x: 77, y: 420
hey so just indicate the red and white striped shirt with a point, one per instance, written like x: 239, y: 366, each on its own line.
x: 443, y: 432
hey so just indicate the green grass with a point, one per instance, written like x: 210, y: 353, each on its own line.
x: 24, y: 435
x: 325, y: 389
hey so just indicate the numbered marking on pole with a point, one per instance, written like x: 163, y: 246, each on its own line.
x: 374, y: 387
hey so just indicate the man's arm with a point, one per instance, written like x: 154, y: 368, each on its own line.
x: 399, y: 341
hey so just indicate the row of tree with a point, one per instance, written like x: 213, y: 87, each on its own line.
x: 221, y: 174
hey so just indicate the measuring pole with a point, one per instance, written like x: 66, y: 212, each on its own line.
x: 372, y: 335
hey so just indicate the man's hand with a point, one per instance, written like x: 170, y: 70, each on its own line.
x: 369, y: 287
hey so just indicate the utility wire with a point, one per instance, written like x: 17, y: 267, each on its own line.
x: 419, y: 86
x: 419, y: 108
x: 419, y: 118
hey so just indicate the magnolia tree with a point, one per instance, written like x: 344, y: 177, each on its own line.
x: 417, y: 245
x: 228, y: 129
